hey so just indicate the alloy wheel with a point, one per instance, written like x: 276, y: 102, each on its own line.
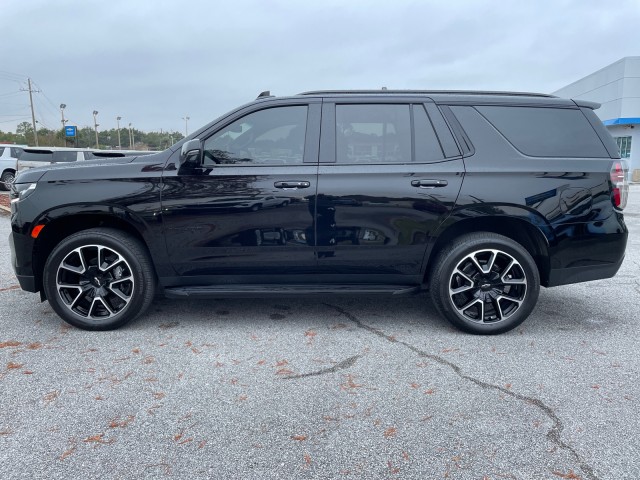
x: 95, y: 282
x: 487, y: 286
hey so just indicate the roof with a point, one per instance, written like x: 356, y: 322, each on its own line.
x: 426, y: 92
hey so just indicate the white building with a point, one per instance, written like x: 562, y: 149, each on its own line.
x: 617, y: 88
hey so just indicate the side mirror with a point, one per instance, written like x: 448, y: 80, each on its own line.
x: 191, y: 152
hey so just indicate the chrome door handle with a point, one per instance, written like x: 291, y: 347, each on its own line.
x: 429, y: 183
x: 292, y: 184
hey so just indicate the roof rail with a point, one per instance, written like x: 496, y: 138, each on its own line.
x: 428, y: 92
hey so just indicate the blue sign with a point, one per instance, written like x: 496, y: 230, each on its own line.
x: 70, y: 131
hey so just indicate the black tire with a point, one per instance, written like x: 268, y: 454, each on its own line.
x: 256, y: 207
x: 485, y: 283
x: 99, y: 297
x: 7, y: 179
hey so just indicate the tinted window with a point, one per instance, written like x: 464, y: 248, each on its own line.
x: 15, y: 152
x: 373, y: 134
x: 427, y: 146
x: 36, y: 156
x: 1, y: 151
x: 268, y: 137
x: 65, y: 156
x: 546, y: 132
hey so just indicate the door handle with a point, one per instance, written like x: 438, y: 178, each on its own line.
x: 291, y: 184
x: 429, y: 183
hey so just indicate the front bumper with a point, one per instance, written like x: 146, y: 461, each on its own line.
x: 21, y: 247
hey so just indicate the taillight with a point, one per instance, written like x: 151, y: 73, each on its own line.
x: 619, y: 184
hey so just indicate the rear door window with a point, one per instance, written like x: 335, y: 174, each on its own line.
x: 373, y: 133
x: 546, y: 132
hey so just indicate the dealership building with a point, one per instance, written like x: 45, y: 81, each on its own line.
x: 617, y: 88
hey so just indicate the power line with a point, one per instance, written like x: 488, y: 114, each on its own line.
x: 15, y: 119
x: 10, y: 93
x: 11, y: 78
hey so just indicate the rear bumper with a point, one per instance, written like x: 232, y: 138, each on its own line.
x: 565, y: 276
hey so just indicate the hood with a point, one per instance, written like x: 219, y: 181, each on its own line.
x: 34, y: 174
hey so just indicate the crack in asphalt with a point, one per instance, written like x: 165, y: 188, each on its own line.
x: 554, y: 433
x: 348, y: 363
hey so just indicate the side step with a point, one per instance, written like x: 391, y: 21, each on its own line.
x: 256, y: 291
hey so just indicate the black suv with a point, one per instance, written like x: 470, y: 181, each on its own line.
x: 478, y: 197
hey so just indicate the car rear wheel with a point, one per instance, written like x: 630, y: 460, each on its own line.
x: 99, y: 279
x: 485, y: 283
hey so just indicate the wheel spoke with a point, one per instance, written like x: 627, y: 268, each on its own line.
x: 470, y: 304
x: 491, y: 261
x: 508, y: 298
x: 497, y: 308
x: 76, y: 298
x: 464, y: 288
x: 71, y: 268
x: 94, y: 303
x: 119, y: 293
x: 82, y: 261
x: 463, y: 275
x: 102, y: 263
x: 476, y: 263
x: 128, y: 278
x: 512, y: 281
x: 74, y: 304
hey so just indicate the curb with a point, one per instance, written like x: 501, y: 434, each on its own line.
x: 2, y: 207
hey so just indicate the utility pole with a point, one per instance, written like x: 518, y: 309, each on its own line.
x: 63, y: 121
x: 33, y: 115
x: 130, y: 138
x: 186, y: 125
x: 118, y: 121
x: 95, y: 126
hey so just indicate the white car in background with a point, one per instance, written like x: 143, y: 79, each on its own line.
x: 43, y: 156
x: 8, y: 164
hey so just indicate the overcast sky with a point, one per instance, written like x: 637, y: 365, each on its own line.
x: 154, y: 62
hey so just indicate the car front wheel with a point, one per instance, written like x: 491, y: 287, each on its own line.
x: 485, y: 283
x: 6, y: 180
x: 99, y: 279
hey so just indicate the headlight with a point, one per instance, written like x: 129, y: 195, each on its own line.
x: 20, y: 191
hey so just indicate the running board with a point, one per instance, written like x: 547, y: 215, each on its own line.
x: 256, y: 291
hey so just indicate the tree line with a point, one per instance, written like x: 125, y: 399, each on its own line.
x: 86, y: 138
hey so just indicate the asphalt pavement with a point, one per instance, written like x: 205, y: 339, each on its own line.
x: 333, y: 387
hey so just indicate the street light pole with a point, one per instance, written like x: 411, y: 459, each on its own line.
x: 95, y: 126
x: 118, y: 121
x: 130, y: 138
x: 63, y: 121
x: 186, y: 125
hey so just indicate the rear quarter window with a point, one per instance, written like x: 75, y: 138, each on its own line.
x: 545, y: 131
x: 36, y: 156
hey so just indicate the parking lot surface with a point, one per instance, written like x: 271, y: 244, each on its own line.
x: 333, y: 387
